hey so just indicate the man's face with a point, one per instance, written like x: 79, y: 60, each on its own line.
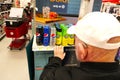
x: 29, y: 4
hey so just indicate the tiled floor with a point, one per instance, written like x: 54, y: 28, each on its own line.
x: 13, y: 63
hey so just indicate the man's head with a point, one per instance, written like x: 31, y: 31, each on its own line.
x: 97, y: 37
x: 29, y: 4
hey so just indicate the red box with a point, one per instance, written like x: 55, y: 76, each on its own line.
x: 16, y: 32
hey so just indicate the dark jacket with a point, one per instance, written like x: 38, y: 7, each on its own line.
x: 87, y: 71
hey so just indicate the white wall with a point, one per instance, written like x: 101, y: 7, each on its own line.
x: 23, y: 3
x: 86, y: 7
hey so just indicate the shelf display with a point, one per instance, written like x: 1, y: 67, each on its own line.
x: 4, y: 13
x: 112, y: 7
x: 3, y: 16
x: 2, y: 33
x: 57, y: 32
x: 48, y: 16
x: 5, y: 6
x: 48, y: 36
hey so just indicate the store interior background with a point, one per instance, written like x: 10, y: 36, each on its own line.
x: 14, y: 63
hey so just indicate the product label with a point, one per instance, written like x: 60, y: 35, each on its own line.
x: 57, y: 36
x: 53, y: 35
x: 71, y: 39
x: 37, y: 34
x: 65, y: 40
x: 45, y: 35
x: 58, y: 39
x: 66, y: 36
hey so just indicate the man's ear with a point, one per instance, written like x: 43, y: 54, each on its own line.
x: 82, y: 51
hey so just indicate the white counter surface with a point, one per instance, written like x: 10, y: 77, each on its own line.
x: 36, y: 47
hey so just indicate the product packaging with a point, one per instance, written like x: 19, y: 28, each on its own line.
x: 46, y: 38
x: 71, y: 38
x: 39, y: 35
x: 64, y: 35
x: 58, y: 34
x: 53, y: 36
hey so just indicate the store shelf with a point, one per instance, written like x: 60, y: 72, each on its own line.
x: 4, y: 11
x: 2, y: 35
x: 45, y: 20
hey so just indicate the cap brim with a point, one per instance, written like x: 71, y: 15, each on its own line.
x: 71, y: 30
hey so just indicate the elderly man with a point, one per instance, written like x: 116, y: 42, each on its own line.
x: 97, y: 40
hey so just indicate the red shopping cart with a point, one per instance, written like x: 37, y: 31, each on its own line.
x: 16, y: 33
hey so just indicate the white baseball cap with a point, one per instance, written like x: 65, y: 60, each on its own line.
x: 96, y: 28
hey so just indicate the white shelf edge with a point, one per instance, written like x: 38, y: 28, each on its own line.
x: 1, y: 36
x: 36, y: 47
x: 4, y: 11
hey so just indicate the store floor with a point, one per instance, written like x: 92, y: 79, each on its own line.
x: 13, y: 63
